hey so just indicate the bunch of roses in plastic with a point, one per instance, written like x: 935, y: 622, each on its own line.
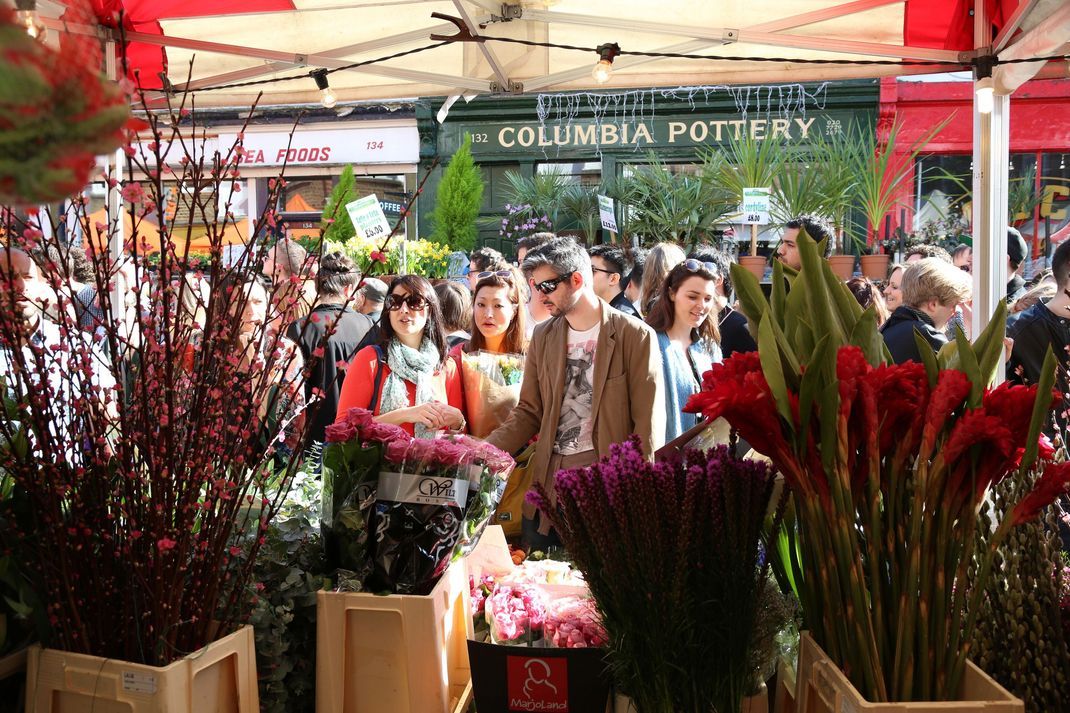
x: 152, y: 409
x: 671, y: 553
x: 521, y: 221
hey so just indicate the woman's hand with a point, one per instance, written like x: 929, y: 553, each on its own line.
x: 433, y: 414
x: 450, y: 417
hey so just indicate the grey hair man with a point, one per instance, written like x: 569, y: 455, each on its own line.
x: 591, y: 379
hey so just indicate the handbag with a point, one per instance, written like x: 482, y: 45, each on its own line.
x: 509, y: 513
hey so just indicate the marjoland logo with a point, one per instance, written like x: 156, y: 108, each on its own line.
x: 539, y: 685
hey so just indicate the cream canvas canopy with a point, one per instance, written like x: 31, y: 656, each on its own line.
x: 223, y: 49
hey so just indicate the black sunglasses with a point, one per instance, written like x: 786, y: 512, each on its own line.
x: 415, y: 302
x: 548, y: 286
x: 608, y: 272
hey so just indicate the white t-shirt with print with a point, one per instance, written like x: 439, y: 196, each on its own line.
x: 574, y: 426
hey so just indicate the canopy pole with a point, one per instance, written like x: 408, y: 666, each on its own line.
x: 991, y: 155
x: 116, y: 232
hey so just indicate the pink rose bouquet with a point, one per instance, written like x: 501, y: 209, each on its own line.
x: 516, y: 615
x: 574, y: 623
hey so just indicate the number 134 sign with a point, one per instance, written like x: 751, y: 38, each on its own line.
x: 368, y: 218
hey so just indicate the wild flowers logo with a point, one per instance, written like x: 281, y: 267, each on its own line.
x: 538, y: 684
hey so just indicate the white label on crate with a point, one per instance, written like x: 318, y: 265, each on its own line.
x: 134, y: 682
x: 422, y: 489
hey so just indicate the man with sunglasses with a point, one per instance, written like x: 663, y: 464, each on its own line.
x: 609, y: 264
x: 592, y: 378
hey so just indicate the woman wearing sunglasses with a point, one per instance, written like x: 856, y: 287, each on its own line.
x: 685, y: 319
x: 408, y: 379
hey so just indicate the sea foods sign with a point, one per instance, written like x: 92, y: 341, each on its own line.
x: 651, y: 133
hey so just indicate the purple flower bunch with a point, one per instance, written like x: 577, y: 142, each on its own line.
x: 671, y: 552
x: 523, y: 220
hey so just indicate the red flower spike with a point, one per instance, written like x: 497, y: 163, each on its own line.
x: 1055, y: 481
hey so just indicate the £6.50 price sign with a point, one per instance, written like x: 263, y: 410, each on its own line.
x: 368, y: 218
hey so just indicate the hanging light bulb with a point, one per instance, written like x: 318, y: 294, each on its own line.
x: 603, y: 71
x: 26, y: 16
x: 327, y: 97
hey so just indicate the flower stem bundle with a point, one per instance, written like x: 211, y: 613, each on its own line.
x: 672, y: 554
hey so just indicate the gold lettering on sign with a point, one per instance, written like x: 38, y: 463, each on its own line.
x: 805, y: 126
x: 501, y: 137
x: 757, y: 129
x: 780, y: 128
x: 737, y: 125
x: 675, y: 129
x: 609, y: 134
x: 542, y: 137
x: 525, y: 136
x: 697, y: 135
x: 642, y: 131
x: 584, y: 134
x: 557, y: 135
x: 717, y: 126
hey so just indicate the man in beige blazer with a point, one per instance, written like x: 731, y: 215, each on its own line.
x: 591, y: 379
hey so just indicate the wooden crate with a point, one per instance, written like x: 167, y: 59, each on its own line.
x: 396, y: 653
x: 220, y: 678
x: 822, y: 688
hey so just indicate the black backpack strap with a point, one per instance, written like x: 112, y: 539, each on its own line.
x: 378, y: 382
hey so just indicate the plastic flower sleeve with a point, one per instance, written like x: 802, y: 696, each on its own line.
x: 488, y: 475
x: 491, y: 388
x: 418, y: 514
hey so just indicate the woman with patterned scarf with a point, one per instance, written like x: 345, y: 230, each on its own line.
x: 408, y: 379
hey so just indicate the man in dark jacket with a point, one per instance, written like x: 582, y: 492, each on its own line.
x: 609, y: 266
x: 1017, y: 251
x: 1043, y: 325
x: 329, y: 335
x: 932, y: 290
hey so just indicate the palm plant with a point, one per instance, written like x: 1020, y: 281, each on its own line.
x: 543, y: 191
x: 680, y: 207
x: 627, y: 192
x: 580, y: 205
x: 881, y: 169
x: 746, y: 162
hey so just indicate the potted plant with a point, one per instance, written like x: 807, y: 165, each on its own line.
x: 671, y: 553
x: 882, y: 168
x: 887, y: 465
x: 745, y: 162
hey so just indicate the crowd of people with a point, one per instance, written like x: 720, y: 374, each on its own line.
x: 614, y: 341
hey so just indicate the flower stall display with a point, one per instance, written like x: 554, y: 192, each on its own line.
x: 419, y: 257
x: 672, y: 553
x: 887, y: 465
x: 491, y: 388
x: 521, y: 221
x: 401, y: 509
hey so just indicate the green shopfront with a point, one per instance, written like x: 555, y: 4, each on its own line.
x: 589, y: 136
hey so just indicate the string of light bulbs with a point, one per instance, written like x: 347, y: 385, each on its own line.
x: 26, y: 16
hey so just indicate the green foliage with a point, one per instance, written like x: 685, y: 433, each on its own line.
x: 678, y: 207
x: 460, y: 194
x: 289, y: 570
x: 335, y: 225
x: 544, y: 192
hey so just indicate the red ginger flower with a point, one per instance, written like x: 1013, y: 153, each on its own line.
x: 902, y: 393
x: 1052, y: 483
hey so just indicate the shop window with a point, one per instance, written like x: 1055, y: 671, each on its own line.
x: 1054, y: 197
x: 581, y: 173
